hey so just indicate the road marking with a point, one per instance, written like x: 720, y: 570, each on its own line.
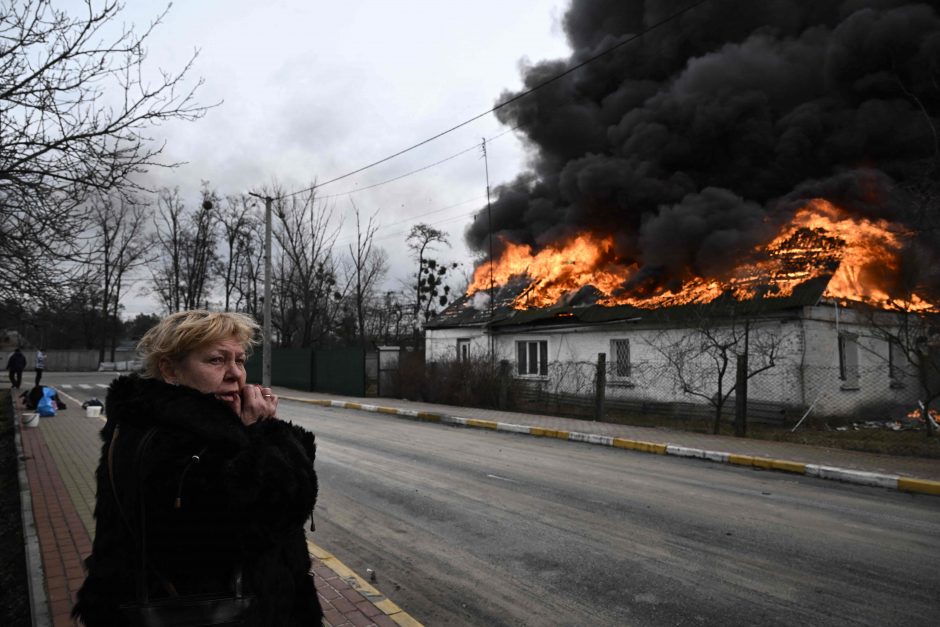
x: 84, y: 386
x: 502, y: 478
x: 72, y: 398
x: 66, y: 386
x: 102, y: 385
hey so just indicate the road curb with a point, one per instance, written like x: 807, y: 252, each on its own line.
x: 361, y: 586
x: 38, y: 601
x: 891, y: 482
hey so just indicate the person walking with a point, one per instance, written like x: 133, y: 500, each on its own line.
x: 15, y: 365
x: 202, y: 491
x: 40, y: 364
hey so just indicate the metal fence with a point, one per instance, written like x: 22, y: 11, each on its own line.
x: 783, y: 395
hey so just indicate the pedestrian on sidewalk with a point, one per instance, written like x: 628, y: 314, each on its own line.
x: 40, y: 364
x: 15, y: 365
x: 200, y: 485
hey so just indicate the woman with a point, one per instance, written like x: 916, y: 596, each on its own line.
x: 207, y: 482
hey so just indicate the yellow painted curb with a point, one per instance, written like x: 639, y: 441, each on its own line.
x: 349, y: 405
x: 924, y: 486
x: 312, y: 401
x: 785, y: 466
x: 771, y: 464
x: 425, y: 415
x: 548, y: 433
x: 405, y: 620
x: 387, y: 410
x: 482, y: 424
x: 639, y: 445
x: 767, y: 463
x: 362, y: 586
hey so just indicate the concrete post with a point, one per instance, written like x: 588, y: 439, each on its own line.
x: 601, y: 386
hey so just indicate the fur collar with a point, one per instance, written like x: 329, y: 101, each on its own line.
x: 142, y: 402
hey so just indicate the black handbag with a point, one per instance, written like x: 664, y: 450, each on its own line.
x: 174, y: 610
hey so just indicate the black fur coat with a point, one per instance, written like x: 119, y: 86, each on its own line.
x: 216, y: 494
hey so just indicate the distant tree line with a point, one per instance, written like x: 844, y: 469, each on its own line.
x: 207, y: 251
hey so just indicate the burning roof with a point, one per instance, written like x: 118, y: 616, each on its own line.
x: 823, y: 253
x: 859, y: 259
x: 740, y: 151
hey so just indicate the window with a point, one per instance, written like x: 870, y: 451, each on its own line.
x: 463, y: 349
x: 896, y: 360
x: 848, y: 360
x: 620, y: 355
x: 532, y: 358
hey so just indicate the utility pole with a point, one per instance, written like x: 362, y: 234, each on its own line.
x: 489, y: 219
x: 266, y: 330
x: 266, y: 357
x: 489, y: 232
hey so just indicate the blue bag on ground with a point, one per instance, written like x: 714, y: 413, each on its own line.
x: 46, y: 405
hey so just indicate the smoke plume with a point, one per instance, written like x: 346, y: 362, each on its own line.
x: 694, y: 143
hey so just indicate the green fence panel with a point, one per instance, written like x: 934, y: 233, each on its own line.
x: 340, y: 371
x: 290, y: 367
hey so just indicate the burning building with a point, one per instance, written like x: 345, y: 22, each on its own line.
x: 774, y: 162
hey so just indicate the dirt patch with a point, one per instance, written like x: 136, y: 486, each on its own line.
x: 14, y: 590
x: 862, y: 438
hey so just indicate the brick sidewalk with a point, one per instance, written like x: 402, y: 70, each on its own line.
x: 61, y: 456
x: 63, y: 538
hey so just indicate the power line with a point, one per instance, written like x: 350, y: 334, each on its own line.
x: 519, y: 96
x: 444, y: 221
x: 422, y: 215
x: 422, y: 169
x: 398, y: 178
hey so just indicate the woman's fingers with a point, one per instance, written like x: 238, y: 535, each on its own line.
x: 263, y: 402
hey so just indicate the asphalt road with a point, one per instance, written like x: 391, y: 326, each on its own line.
x: 472, y: 527
x: 468, y: 527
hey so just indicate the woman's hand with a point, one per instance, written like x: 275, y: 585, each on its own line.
x: 258, y: 403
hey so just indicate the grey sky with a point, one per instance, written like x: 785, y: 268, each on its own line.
x: 312, y: 90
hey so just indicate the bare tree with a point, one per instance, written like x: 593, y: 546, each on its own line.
x: 248, y: 282
x: 119, y: 246
x: 306, y: 294
x: 913, y: 354
x: 239, y: 226
x: 430, y: 287
x: 186, y: 243
x: 702, y: 359
x: 389, y: 318
x: 76, y: 101
x: 367, y: 267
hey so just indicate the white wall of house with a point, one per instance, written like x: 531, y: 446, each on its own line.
x: 858, y: 378
x: 807, y: 370
x: 573, y: 355
x: 442, y: 344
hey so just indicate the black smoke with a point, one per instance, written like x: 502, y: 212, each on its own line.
x: 692, y: 144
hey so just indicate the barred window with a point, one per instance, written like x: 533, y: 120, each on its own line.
x: 620, y: 352
x: 463, y: 349
x: 896, y: 359
x: 848, y: 360
x: 532, y: 358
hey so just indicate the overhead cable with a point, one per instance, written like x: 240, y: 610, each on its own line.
x: 505, y: 103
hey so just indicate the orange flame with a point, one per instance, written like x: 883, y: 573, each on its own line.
x: 917, y: 414
x: 822, y: 239
x: 554, y: 271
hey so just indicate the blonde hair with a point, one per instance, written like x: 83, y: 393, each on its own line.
x: 179, y: 333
